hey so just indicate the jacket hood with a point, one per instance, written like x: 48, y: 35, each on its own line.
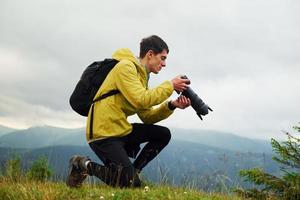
x: 126, y: 54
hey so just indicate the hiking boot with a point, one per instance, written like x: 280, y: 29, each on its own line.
x: 77, y: 171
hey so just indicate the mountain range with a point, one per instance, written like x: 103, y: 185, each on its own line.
x: 44, y: 136
x: 4, y: 130
x: 207, y: 159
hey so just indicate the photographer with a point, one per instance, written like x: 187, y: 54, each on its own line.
x: 114, y: 139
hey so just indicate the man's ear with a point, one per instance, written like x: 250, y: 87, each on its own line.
x: 150, y: 53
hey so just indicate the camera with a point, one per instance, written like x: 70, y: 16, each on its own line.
x: 196, y: 102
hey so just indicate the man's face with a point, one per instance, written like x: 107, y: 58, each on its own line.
x: 156, y: 61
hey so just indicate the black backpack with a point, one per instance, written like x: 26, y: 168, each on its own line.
x: 88, y: 85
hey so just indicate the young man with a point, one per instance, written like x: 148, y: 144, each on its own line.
x: 111, y: 136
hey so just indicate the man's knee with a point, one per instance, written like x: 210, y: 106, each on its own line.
x: 165, y: 134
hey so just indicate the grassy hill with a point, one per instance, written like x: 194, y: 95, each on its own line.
x: 26, y: 190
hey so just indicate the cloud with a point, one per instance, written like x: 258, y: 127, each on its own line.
x: 33, y: 79
x: 20, y: 114
x: 242, y: 57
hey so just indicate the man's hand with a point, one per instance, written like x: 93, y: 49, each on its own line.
x: 181, y: 102
x: 180, y: 84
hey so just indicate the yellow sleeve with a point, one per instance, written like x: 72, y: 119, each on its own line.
x: 153, y: 115
x: 128, y: 83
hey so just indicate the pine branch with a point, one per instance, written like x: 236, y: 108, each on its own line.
x: 259, y: 177
x: 297, y: 128
x: 287, y: 187
x: 289, y: 151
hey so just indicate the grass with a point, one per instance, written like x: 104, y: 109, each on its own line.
x: 29, y: 190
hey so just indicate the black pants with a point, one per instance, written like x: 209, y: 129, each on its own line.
x: 114, y: 152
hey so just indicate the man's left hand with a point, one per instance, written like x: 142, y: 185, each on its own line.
x: 181, y: 102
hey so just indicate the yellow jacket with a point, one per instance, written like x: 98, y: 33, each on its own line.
x: 131, y: 79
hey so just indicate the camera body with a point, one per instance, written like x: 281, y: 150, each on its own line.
x: 196, y: 102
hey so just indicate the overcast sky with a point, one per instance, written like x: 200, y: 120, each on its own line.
x: 241, y: 56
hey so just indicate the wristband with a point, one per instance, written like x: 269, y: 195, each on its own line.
x: 171, y: 106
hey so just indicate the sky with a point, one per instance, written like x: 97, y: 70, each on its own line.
x: 242, y: 58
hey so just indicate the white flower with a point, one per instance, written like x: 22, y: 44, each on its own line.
x: 146, y: 189
x: 112, y: 194
x: 101, y: 197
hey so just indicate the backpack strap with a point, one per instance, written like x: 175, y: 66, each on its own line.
x: 110, y: 93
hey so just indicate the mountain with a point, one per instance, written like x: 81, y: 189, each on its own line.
x: 38, y: 137
x: 43, y: 136
x: 5, y: 130
x: 222, y: 140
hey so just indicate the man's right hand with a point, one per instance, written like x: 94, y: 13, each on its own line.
x: 180, y: 84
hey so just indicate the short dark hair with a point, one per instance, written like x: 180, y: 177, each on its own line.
x: 154, y: 43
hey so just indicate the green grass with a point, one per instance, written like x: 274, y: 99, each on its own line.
x: 25, y: 190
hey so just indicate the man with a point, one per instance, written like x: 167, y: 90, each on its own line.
x: 111, y: 136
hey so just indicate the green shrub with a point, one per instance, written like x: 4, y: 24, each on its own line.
x: 13, y: 168
x: 40, y: 170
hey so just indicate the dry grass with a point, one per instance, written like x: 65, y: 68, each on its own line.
x: 28, y: 190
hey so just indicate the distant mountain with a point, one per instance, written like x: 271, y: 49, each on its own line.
x: 44, y: 136
x: 222, y: 140
x: 38, y: 137
x: 4, y: 130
